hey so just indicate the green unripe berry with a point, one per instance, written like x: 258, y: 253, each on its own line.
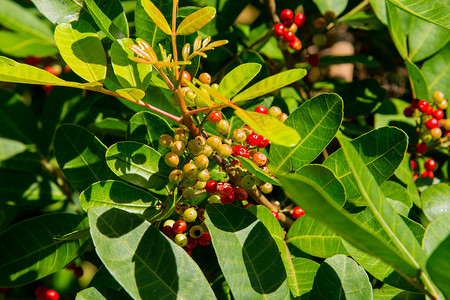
x: 214, y: 199
x: 178, y: 148
x: 196, y: 231
x: 201, y: 139
x: 176, y: 176
x: 443, y: 104
x: 274, y: 111
x: 181, y: 137
x: 189, y: 96
x: 181, y: 240
x: 214, y: 87
x: 189, y: 181
x: 266, y: 188
x: 168, y: 223
x: 214, y: 142
x: 171, y: 159
x: 207, y: 150
x: 165, y: 140
x: 200, y: 185
x: 203, y: 175
x: 224, y: 151
x: 190, y: 214
x: 426, y: 138
x: 195, y: 147
x: 319, y: 39
x: 201, y: 162
x: 238, y: 136
x: 248, y: 181
x: 188, y: 193
x: 438, y: 97
x: 223, y: 126
x: 189, y: 170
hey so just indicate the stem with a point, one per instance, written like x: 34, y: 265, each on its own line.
x: 205, y: 109
x: 432, y: 293
x: 165, y: 78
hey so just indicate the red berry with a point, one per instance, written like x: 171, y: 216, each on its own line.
x: 192, y: 243
x: 188, y: 250
x: 295, y: 44
x: 248, y: 128
x: 211, y: 186
x: 438, y: 113
x: 288, y: 23
x: 185, y: 76
x: 254, y: 139
x: 313, y: 60
x: 415, y: 176
x: 430, y: 165
x: 432, y: 123
x: 422, y: 105
x: 261, y: 109
x: 72, y: 266
x: 4, y: 289
x: 414, y: 103
x: 32, y: 60
x: 421, y: 148
x: 50, y: 69
x: 299, y: 19
x: 240, y: 194
x: 205, y: 239
x: 413, y: 164
x: 40, y: 292
x: 247, y: 205
x: 78, y: 272
x: 214, y: 116
x: 48, y: 89
x: 179, y: 226
x: 288, y: 36
x: 224, y: 188
x: 279, y: 29
x: 227, y: 198
x: 297, y: 212
x: 427, y: 174
x: 168, y: 231
x: 408, y: 112
x: 286, y: 14
x: 51, y: 295
x: 239, y: 150
x: 275, y: 214
x: 264, y: 142
x: 429, y: 110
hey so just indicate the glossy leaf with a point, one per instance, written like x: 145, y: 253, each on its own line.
x: 117, y: 194
x: 142, y: 259
x: 196, y: 21
x: 30, y: 251
x: 81, y: 49
x: 417, y: 80
x: 81, y: 156
x: 146, y: 28
x: 438, y: 266
x: 382, y: 159
x: 335, y: 6
x: 59, y: 12
x: 316, y: 121
x: 255, y: 170
x: 156, y: 15
x: 437, y: 71
x: 396, y: 29
x: 237, y: 79
x: 314, y: 238
x: 304, y: 272
x: 437, y: 231
x: 138, y: 164
x: 146, y: 128
x: 104, y: 22
x: 397, y: 196
x: 247, y: 254
x: 436, y: 200
x: 18, y: 45
x: 430, y: 11
x: 338, y: 276
x: 270, y: 84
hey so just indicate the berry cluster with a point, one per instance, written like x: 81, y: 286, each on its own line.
x: 43, y: 292
x: 196, y: 98
x: 289, y: 26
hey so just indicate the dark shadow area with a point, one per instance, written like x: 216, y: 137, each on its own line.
x: 116, y: 222
x: 228, y: 217
x: 83, y: 44
x: 327, y: 284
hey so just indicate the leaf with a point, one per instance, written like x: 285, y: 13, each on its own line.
x: 237, y: 79
x: 325, y: 209
x: 382, y: 159
x: 255, y: 170
x: 437, y: 71
x: 316, y: 121
x: 338, y: 276
x: 270, y: 84
x: 30, y: 252
x: 335, y: 6
x: 396, y: 29
x: 247, y: 254
x: 387, y: 292
x: 138, y: 164
x: 437, y: 231
x: 146, y: 128
x: 146, y: 28
x: 18, y: 45
x: 156, y: 15
x: 103, y: 278
x: 81, y: 156
x: 59, y: 12
x: 417, y: 80
x: 397, y: 196
x: 314, y: 238
x: 103, y: 21
x: 434, y: 11
x: 100, y: 294
x: 196, y: 21
x: 405, y: 174
x: 304, y: 272
x: 436, y: 200
x: 80, y: 47
x: 438, y: 266
x: 369, y: 61
x: 362, y: 20
x: 142, y: 259
x: 131, y: 93
x: 117, y: 194
x: 272, y: 128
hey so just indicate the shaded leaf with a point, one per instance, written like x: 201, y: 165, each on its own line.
x: 18, y: 45
x: 437, y: 71
x: 436, y: 200
x: 369, y: 61
x: 397, y: 196
x: 103, y: 21
x: 237, y: 79
x: 335, y: 6
x: 255, y: 170
x: 417, y: 80
x: 437, y: 231
x: 396, y: 29
x: 59, y: 12
x: 156, y: 15
x: 304, y: 272
x: 438, y: 266
x: 196, y: 21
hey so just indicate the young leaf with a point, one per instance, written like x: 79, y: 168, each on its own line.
x: 108, y: 27
x: 438, y: 266
x: 272, y: 128
x: 436, y: 70
x: 82, y: 50
x: 196, y: 20
x: 436, y: 200
x: 30, y: 251
x: 270, y: 84
x: 317, y: 122
x: 237, y: 79
x: 437, y: 231
x: 143, y: 260
x: 255, y: 170
x: 247, y: 254
x: 145, y: 27
x: 156, y: 15
x: 81, y: 156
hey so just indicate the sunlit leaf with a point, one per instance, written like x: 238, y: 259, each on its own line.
x: 155, y: 14
x: 237, y: 79
x: 255, y: 170
x: 437, y: 231
x: 196, y: 20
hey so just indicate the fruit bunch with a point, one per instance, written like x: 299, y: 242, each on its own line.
x: 289, y: 25
x: 43, y: 292
x: 196, y: 92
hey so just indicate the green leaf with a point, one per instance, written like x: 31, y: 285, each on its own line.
x: 156, y: 15
x: 324, y: 177
x: 325, y: 209
x: 381, y: 160
x: 316, y: 121
x: 255, y: 170
x: 362, y: 20
x: 129, y: 73
x: 102, y: 293
x: 315, y: 238
x: 270, y: 84
x: 196, y: 21
x: 103, y: 278
x: 146, y: 128
x: 335, y: 6
x: 436, y: 200
x: 396, y: 29
x: 59, y: 12
x: 117, y: 194
x: 19, y: 45
x: 438, y: 265
x: 237, y: 79
x: 146, y: 28
x: 431, y: 11
x: 417, y: 80
x: 304, y: 272
x: 437, y: 231
x: 131, y: 93
x: 81, y: 156
x: 339, y: 276
x: 247, y: 254
x: 437, y: 71
x: 143, y: 260
x: 387, y: 292
x: 103, y: 21
x: 80, y: 47
x: 138, y: 164
x: 272, y: 128
x: 397, y: 196
x: 369, y: 61
x: 29, y: 250
x: 405, y: 174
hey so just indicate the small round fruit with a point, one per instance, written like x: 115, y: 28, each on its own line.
x: 188, y: 194
x: 180, y: 208
x: 260, y: 159
x: 264, y: 142
x: 200, y: 185
x: 40, y: 292
x: 238, y: 136
x: 72, y: 266
x: 261, y: 109
x: 313, y: 60
x: 227, y: 198
x: 297, y: 212
x: 171, y: 159
x: 428, y: 174
x: 266, y: 188
x: 408, y: 111
x: 430, y: 110
x: 51, y: 295
x: 214, y: 199
x: 178, y: 148
x: 205, y: 78
x: 274, y: 111
x: 222, y: 126
x: 247, y: 182
x: 165, y: 140
x: 214, y: 116
x: 447, y: 125
x: 224, y: 151
x: 319, y: 39
x: 426, y: 137
x: 438, y: 96
x: 179, y: 226
x: 176, y: 176
x: 296, y: 44
x: 181, y: 240
x: 275, y: 214
x: 438, y: 114
x: 432, y: 123
x: 78, y: 272
x: 286, y: 14
x: 185, y: 76
x: 282, y: 117
x: 248, y: 130
x: 189, y: 170
x: 288, y: 36
x: 436, y: 133
x: 224, y: 188
x: 279, y: 29
x: 205, y: 239
x: 421, y: 148
x: 196, y: 231
x: 422, y: 105
x: 211, y: 186
x: 214, y: 142
x: 201, y: 214
x: 201, y: 162
x: 207, y: 150
x: 443, y: 104
x: 190, y: 214
x: 239, y: 150
x: 195, y: 147
x: 253, y: 139
x: 430, y: 164
x: 299, y: 19
x: 240, y: 194
x: 203, y: 175
x: 191, y: 242
x: 169, y: 222
x: 320, y: 23
x: 413, y: 164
